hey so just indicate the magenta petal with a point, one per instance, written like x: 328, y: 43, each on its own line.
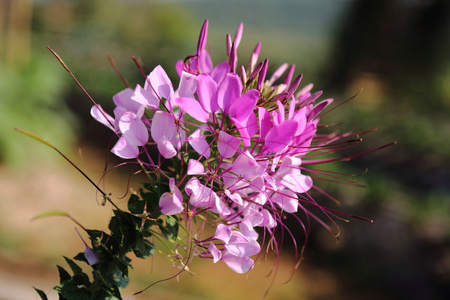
x: 220, y: 71
x: 265, y: 123
x: 193, y: 108
x: 242, y: 107
x: 198, y: 142
x: 206, y: 91
x: 247, y: 128
x: 229, y: 90
x: 227, y: 144
x: 279, y: 136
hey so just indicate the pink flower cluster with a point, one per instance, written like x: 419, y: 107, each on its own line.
x: 242, y: 140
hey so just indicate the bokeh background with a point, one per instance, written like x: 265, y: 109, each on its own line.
x: 397, y: 51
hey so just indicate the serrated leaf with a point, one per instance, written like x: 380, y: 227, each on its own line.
x: 41, y: 294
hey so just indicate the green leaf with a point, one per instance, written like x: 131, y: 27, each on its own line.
x: 170, y: 231
x: 144, y: 248
x: 75, y: 268
x: 135, y: 204
x: 63, y: 274
x: 41, y: 294
x: 74, y: 288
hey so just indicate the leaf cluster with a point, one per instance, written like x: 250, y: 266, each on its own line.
x: 129, y: 232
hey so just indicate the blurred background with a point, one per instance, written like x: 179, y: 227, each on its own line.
x: 396, y: 51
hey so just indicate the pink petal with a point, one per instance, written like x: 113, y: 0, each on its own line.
x: 159, y: 82
x: 163, y: 124
x: 195, y: 167
x: 193, y: 108
x: 133, y: 128
x: 297, y: 182
x: 216, y: 253
x: 166, y: 148
x: 220, y: 71
x: 171, y: 203
x: 123, y: 99
x: 227, y: 144
x: 206, y: 91
x: 239, y: 265
x: 188, y: 85
x: 287, y: 200
x: 229, y: 90
x: 264, y: 122
x: 198, y: 142
x: 101, y: 116
x: 242, y: 107
x: 125, y: 149
x: 223, y: 233
x: 145, y: 97
x: 280, y: 136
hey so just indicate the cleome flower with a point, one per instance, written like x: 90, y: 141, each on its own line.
x: 232, y: 147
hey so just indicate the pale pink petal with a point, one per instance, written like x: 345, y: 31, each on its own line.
x: 198, y: 142
x: 163, y: 124
x: 165, y: 147
x: 159, y: 82
x: 247, y: 229
x: 195, y: 167
x: 239, y: 265
x: 145, y: 97
x: 297, y: 182
x: 125, y: 149
x: 188, y: 85
x: 193, y: 108
x: 123, y: 99
x: 268, y: 220
x: 216, y: 253
x: 101, y: 116
x: 171, y: 203
x: 287, y: 200
x: 227, y: 144
x: 133, y: 128
x: 223, y: 233
x: 241, y: 245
